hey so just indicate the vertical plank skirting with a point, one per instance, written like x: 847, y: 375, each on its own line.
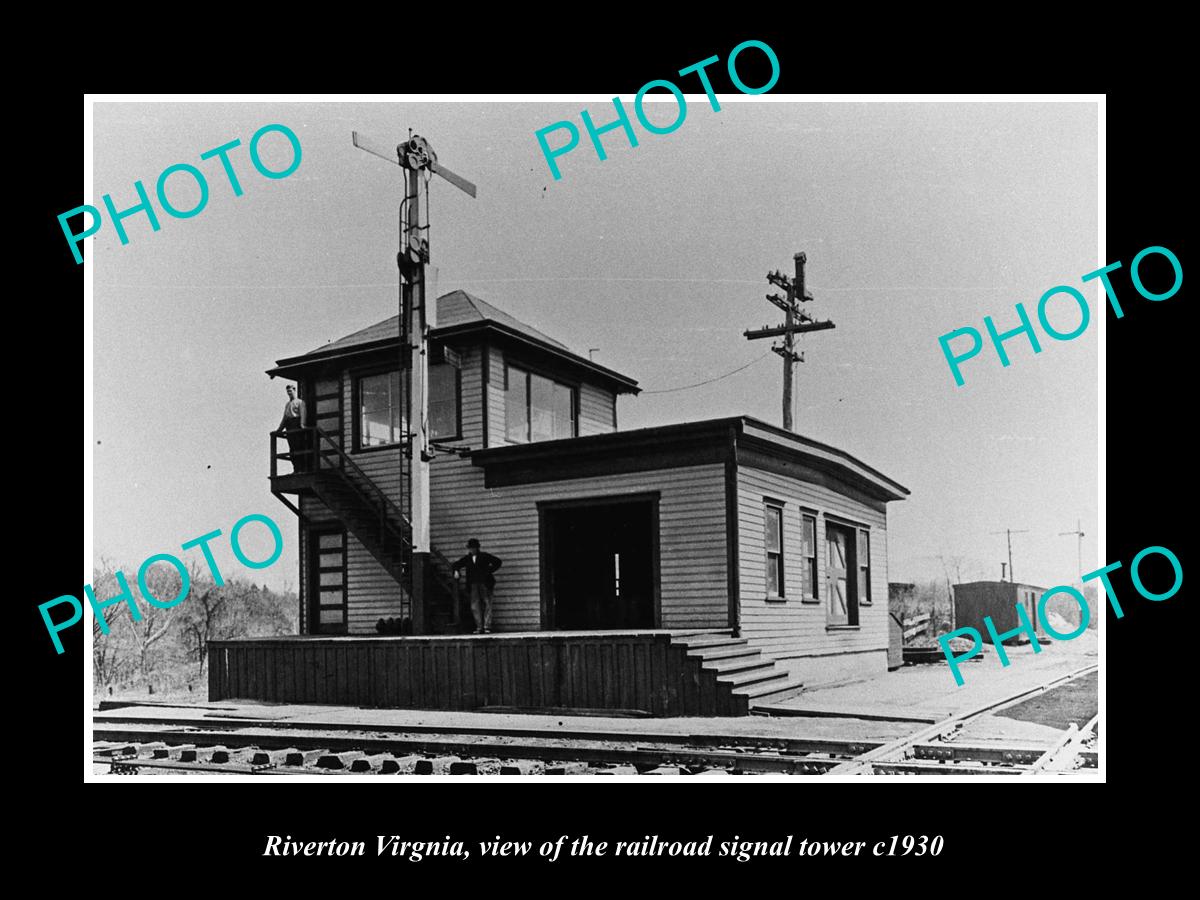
x: 643, y: 672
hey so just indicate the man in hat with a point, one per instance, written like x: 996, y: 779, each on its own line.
x: 293, y: 422
x: 479, y: 567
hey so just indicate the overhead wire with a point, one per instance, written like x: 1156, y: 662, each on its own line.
x: 688, y: 387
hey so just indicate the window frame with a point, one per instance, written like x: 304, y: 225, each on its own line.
x: 356, y: 378
x: 356, y: 408
x: 457, y: 435
x: 811, y: 591
x: 864, y: 569
x: 530, y: 371
x: 770, y: 505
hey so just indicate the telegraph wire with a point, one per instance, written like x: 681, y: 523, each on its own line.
x: 688, y: 387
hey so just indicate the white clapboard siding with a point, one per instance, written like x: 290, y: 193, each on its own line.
x: 791, y: 628
x: 596, y: 415
x: 505, y: 519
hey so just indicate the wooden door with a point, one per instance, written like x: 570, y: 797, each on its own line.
x: 837, y: 582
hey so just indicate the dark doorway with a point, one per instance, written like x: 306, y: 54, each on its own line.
x: 600, y: 563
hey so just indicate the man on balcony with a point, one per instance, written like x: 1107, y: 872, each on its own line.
x: 479, y: 567
x: 294, y: 419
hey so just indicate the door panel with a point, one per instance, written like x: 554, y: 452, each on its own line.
x: 841, y: 590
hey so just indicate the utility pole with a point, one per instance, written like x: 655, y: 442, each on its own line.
x: 795, y: 322
x: 1078, y: 532
x: 1008, y: 532
x: 415, y: 156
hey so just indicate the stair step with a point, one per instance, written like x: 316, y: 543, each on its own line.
x: 777, y: 681
x: 732, y: 663
x: 771, y: 692
x: 707, y: 640
x: 701, y: 632
x: 724, y: 652
x: 768, y: 671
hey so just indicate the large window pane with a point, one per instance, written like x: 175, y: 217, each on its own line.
x: 443, y: 402
x: 381, y: 403
x: 538, y: 408
x: 550, y: 409
x: 516, y: 407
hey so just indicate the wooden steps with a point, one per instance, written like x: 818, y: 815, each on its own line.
x: 732, y: 675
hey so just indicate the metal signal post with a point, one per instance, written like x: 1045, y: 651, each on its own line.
x: 415, y: 156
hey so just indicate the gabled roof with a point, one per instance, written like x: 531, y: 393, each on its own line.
x: 458, y: 314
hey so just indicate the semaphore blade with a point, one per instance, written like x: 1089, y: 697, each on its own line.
x: 375, y: 148
x: 457, y: 180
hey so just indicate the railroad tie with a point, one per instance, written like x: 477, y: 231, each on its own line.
x: 374, y: 763
x: 302, y: 757
x: 341, y: 760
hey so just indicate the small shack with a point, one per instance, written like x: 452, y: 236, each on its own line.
x: 977, y: 600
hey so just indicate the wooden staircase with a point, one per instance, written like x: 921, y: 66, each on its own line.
x: 734, y: 674
x: 374, y: 519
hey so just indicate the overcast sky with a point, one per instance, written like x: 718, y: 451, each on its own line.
x: 916, y: 218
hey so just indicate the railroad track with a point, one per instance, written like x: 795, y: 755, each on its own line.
x: 937, y: 750
x: 237, y: 746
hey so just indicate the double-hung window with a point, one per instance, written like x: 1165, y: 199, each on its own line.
x: 773, y: 529
x: 809, y: 586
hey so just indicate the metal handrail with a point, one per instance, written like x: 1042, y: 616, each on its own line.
x: 384, y: 500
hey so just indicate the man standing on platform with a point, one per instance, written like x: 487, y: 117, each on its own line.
x: 479, y: 567
x: 293, y: 422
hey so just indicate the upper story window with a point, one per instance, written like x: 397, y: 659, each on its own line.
x: 444, y: 400
x: 381, y: 399
x: 537, y: 408
x: 380, y: 410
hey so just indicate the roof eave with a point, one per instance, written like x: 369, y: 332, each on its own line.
x: 622, y: 383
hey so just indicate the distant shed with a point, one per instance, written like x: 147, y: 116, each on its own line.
x: 976, y: 600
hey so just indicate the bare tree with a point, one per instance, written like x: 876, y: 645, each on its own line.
x: 108, y: 658
x: 163, y: 582
x: 202, y: 620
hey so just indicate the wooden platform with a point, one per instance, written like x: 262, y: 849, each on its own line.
x: 658, y: 673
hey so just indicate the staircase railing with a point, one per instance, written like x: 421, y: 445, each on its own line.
x: 375, y: 497
x: 364, y: 486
